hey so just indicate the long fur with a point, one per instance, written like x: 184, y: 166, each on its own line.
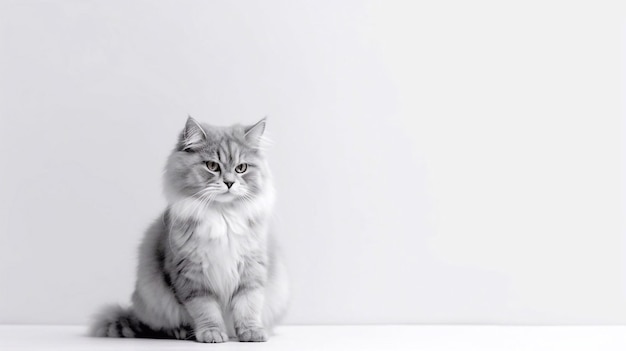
x: 209, y: 266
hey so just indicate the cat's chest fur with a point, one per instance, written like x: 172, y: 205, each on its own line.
x: 217, y: 245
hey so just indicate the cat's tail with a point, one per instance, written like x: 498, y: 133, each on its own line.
x: 114, y: 321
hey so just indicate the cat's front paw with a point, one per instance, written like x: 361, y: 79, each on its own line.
x: 211, y: 335
x: 252, y: 335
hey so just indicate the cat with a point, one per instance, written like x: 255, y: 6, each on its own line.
x: 209, y: 267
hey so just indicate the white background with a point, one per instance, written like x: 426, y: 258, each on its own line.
x: 436, y: 162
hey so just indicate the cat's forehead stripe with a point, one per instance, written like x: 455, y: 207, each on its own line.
x: 229, y: 145
x: 234, y: 151
x: 229, y: 151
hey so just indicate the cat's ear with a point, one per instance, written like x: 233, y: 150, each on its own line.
x: 192, y: 136
x: 254, y: 132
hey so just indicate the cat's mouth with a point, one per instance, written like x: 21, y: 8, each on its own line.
x: 226, y: 196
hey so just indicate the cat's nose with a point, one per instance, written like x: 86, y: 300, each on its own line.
x: 229, y: 184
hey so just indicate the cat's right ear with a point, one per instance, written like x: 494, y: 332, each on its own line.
x: 192, y: 136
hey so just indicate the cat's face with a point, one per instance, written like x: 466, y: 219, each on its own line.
x: 216, y: 164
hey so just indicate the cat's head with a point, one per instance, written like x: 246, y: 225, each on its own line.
x: 217, y: 165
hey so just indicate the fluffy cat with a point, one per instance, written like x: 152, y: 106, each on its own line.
x: 208, y: 267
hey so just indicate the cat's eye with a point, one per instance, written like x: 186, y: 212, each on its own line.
x: 241, y: 168
x: 213, y: 166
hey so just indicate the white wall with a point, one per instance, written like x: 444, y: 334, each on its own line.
x: 436, y: 162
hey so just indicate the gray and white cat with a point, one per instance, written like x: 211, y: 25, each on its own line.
x: 209, y: 266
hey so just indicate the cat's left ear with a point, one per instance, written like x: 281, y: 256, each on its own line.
x: 193, y: 135
x: 254, y: 133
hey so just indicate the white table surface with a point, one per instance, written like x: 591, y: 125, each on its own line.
x: 296, y: 338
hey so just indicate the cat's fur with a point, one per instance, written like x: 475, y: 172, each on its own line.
x: 208, y: 267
